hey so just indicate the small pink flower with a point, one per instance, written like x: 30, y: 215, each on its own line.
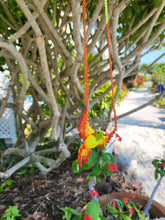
x: 94, y: 193
x: 113, y: 203
x: 153, y: 74
x: 133, y: 196
x: 112, y: 167
x: 163, y: 164
x: 116, y: 168
x: 119, y: 138
x: 87, y: 217
x: 131, y: 210
x: 125, y: 200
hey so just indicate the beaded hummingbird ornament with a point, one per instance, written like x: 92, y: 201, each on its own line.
x: 92, y: 139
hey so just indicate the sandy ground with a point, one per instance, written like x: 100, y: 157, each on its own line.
x: 143, y: 139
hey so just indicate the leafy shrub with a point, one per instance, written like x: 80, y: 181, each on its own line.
x: 161, y: 102
x: 158, y: 73
x: 139, y: 80
x: 10, y: 213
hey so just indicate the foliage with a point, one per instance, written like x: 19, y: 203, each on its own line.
x: 125, y: 209
x: 98, y: 163
x: 10, y: 213
x: 139, y: 80
x: 28, y: 169
x: 146, y: 77
x: 2, y: 145
x: 68, y: 213
x: 159, y: 167
x: 103, y: 105
x: 8, y: 182
x: 158, y: 73
x: 161, y: 102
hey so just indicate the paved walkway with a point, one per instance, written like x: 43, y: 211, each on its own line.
x: 143, y: 139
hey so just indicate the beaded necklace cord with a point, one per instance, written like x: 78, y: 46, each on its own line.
x: 91, y: 138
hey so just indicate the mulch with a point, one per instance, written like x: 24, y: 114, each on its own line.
x: 39, y: 196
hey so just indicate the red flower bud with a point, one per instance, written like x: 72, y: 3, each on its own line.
x: 86, y: 217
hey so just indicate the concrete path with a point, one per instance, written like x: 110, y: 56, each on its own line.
x: 143, y: 139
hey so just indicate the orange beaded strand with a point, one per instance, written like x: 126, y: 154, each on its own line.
x: 110, y: 68
x: 86, y: 61
x: 85, y: 55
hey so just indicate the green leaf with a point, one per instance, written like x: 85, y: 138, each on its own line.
x: 136, y: 7
x: 155, y: 163
x: 10, y: 182
x: 156, y: 174
x: 93, y: 209
x: 68, y: 215
x: 11, y: 213
x: 23, y: 171
x: 112, y: 210
x: 63, y: 209
x: 14, y: 210
x: 75, y: 167
x: 109, y: 172
x: 112, y: 158
x: 96, y: 171
x: 128, y: 12
x: 89, y: 176
x: 93, y: 159
x: 98, y: 179
x: 141, y: 216
x: 101, y: 218
x: 162, y: 172
x: 125, y: 217
x: 74, y: 212
x: 78, y: 217
x: 157, y: 3
x: 107, y: 158
x: 1, y: 188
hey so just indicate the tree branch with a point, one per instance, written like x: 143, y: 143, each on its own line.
x: 105, y: 123
x: 140, y: 24
x: 5, y: 99
x: 94, y: 18
x: 140, y: 48
x: 24, y: 69
x: 54, y: 33
x: 41, y: 46
x: 10, y: 171
x: 152, y: 23
x: 155, y: 99
x: 26, y: 26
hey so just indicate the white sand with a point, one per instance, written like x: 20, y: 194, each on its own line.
x: 143, y: 139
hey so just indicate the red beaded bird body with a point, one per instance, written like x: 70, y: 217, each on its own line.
x: 92, y: 139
